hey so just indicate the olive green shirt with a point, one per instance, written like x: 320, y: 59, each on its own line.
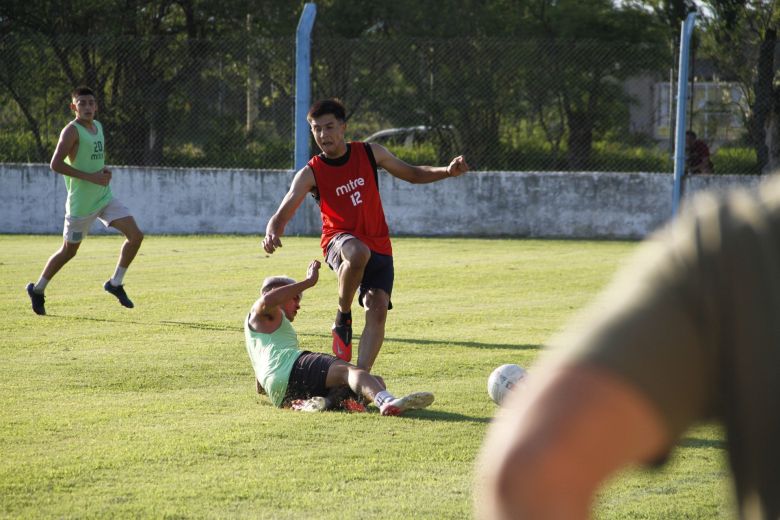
x: 694, y: 324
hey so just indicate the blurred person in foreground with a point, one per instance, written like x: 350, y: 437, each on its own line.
x: 689, y: 332
x: 301, y: 379
x: 80, y: 158
x: 355, y: 241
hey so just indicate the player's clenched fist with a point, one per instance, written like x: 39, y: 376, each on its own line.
x: 458, y: 166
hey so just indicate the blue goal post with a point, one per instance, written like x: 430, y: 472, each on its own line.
x: 303, y: 83
x: 682, y: 95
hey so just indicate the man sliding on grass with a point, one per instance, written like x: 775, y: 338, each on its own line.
x: 302, y: 379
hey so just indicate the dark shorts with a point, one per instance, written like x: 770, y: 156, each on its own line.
x: 379, y: 272
x: 308, y: 376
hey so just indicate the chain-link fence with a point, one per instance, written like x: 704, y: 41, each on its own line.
x: 508, y: 105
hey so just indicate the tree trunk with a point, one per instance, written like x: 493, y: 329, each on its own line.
x: 580, y: 141
x: 773, y: 134
x: 762, y: 107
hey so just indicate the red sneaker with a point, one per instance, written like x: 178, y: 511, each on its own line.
x: 350, y: 405
x: 342, y: 340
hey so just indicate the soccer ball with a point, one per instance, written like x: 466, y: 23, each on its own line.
x: 502, y: 380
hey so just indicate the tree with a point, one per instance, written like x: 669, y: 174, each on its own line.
x: 590, y: 48
x: 142, y: 57
x: 741, y: 37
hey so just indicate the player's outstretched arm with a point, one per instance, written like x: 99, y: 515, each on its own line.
x: 554, y: 443
x: 417, y: 174
x: 302, y: 184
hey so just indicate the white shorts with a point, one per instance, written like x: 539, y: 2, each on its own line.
x: 76, y: 228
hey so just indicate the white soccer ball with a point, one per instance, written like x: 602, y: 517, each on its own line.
x: 502, y: 380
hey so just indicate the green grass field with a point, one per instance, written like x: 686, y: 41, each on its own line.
x: 151, y: 412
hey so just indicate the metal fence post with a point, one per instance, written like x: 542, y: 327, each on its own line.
x: 303, y: 83
x: 682, y: 93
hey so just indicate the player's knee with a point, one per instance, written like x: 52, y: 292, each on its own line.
x: 69, y: 250
x: 135, y: 238
x: 357, y: 254
x: 338, y: 374
x: 376, y: 302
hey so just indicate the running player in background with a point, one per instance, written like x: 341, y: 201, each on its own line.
x: 80, y: 157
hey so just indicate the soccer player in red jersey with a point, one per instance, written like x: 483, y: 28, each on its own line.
x: 355, y: 238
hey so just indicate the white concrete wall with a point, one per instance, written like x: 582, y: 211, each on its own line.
x: 528, y: 204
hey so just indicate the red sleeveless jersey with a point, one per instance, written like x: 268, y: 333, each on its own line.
x: 349, y: 198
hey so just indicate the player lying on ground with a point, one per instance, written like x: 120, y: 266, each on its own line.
x: 289, y: 374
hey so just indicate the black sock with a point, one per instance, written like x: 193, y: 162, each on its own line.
x: 343, y: 318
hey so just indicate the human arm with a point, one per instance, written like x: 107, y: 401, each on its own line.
x: 68, y: 144
x: 559, y: 438
x: 266, y: 308
x: 302, y: 183
x: 622, y: 384
x: 417, y: 174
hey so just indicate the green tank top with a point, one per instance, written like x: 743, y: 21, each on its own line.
x: 273, y: 356
x: 84, y: 197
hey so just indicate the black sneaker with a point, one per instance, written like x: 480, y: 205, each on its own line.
x: 342, y: 340
x: 36, y: 299
x: 119, y: 292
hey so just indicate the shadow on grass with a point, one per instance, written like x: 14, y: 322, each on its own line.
x: 693, y: 442
x: 437, y: 415
x: 204, y: 326
x: 186, y: 324
x: 465, y: 344
x: 326, y: 337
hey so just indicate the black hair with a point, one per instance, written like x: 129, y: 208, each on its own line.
x: 82, y: 91
x: 328, y: 106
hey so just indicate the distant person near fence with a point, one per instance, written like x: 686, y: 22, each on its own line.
x: 697, y: 154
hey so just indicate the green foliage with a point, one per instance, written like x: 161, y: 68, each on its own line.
x: 736, y: 160
x: 424, y: 153
x: 266, y: 155
x: 740, y: 38
x: 175, y: 79
x: 611, y: 156
x: 538, y: 155
x: 21, y: 147
x: 107, y: 412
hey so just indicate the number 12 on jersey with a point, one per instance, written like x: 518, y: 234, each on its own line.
x: 355, y: 197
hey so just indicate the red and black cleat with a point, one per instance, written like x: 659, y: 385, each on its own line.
x: 342, y: 340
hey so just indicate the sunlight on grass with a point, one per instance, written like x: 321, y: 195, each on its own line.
x: 151, y: 412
